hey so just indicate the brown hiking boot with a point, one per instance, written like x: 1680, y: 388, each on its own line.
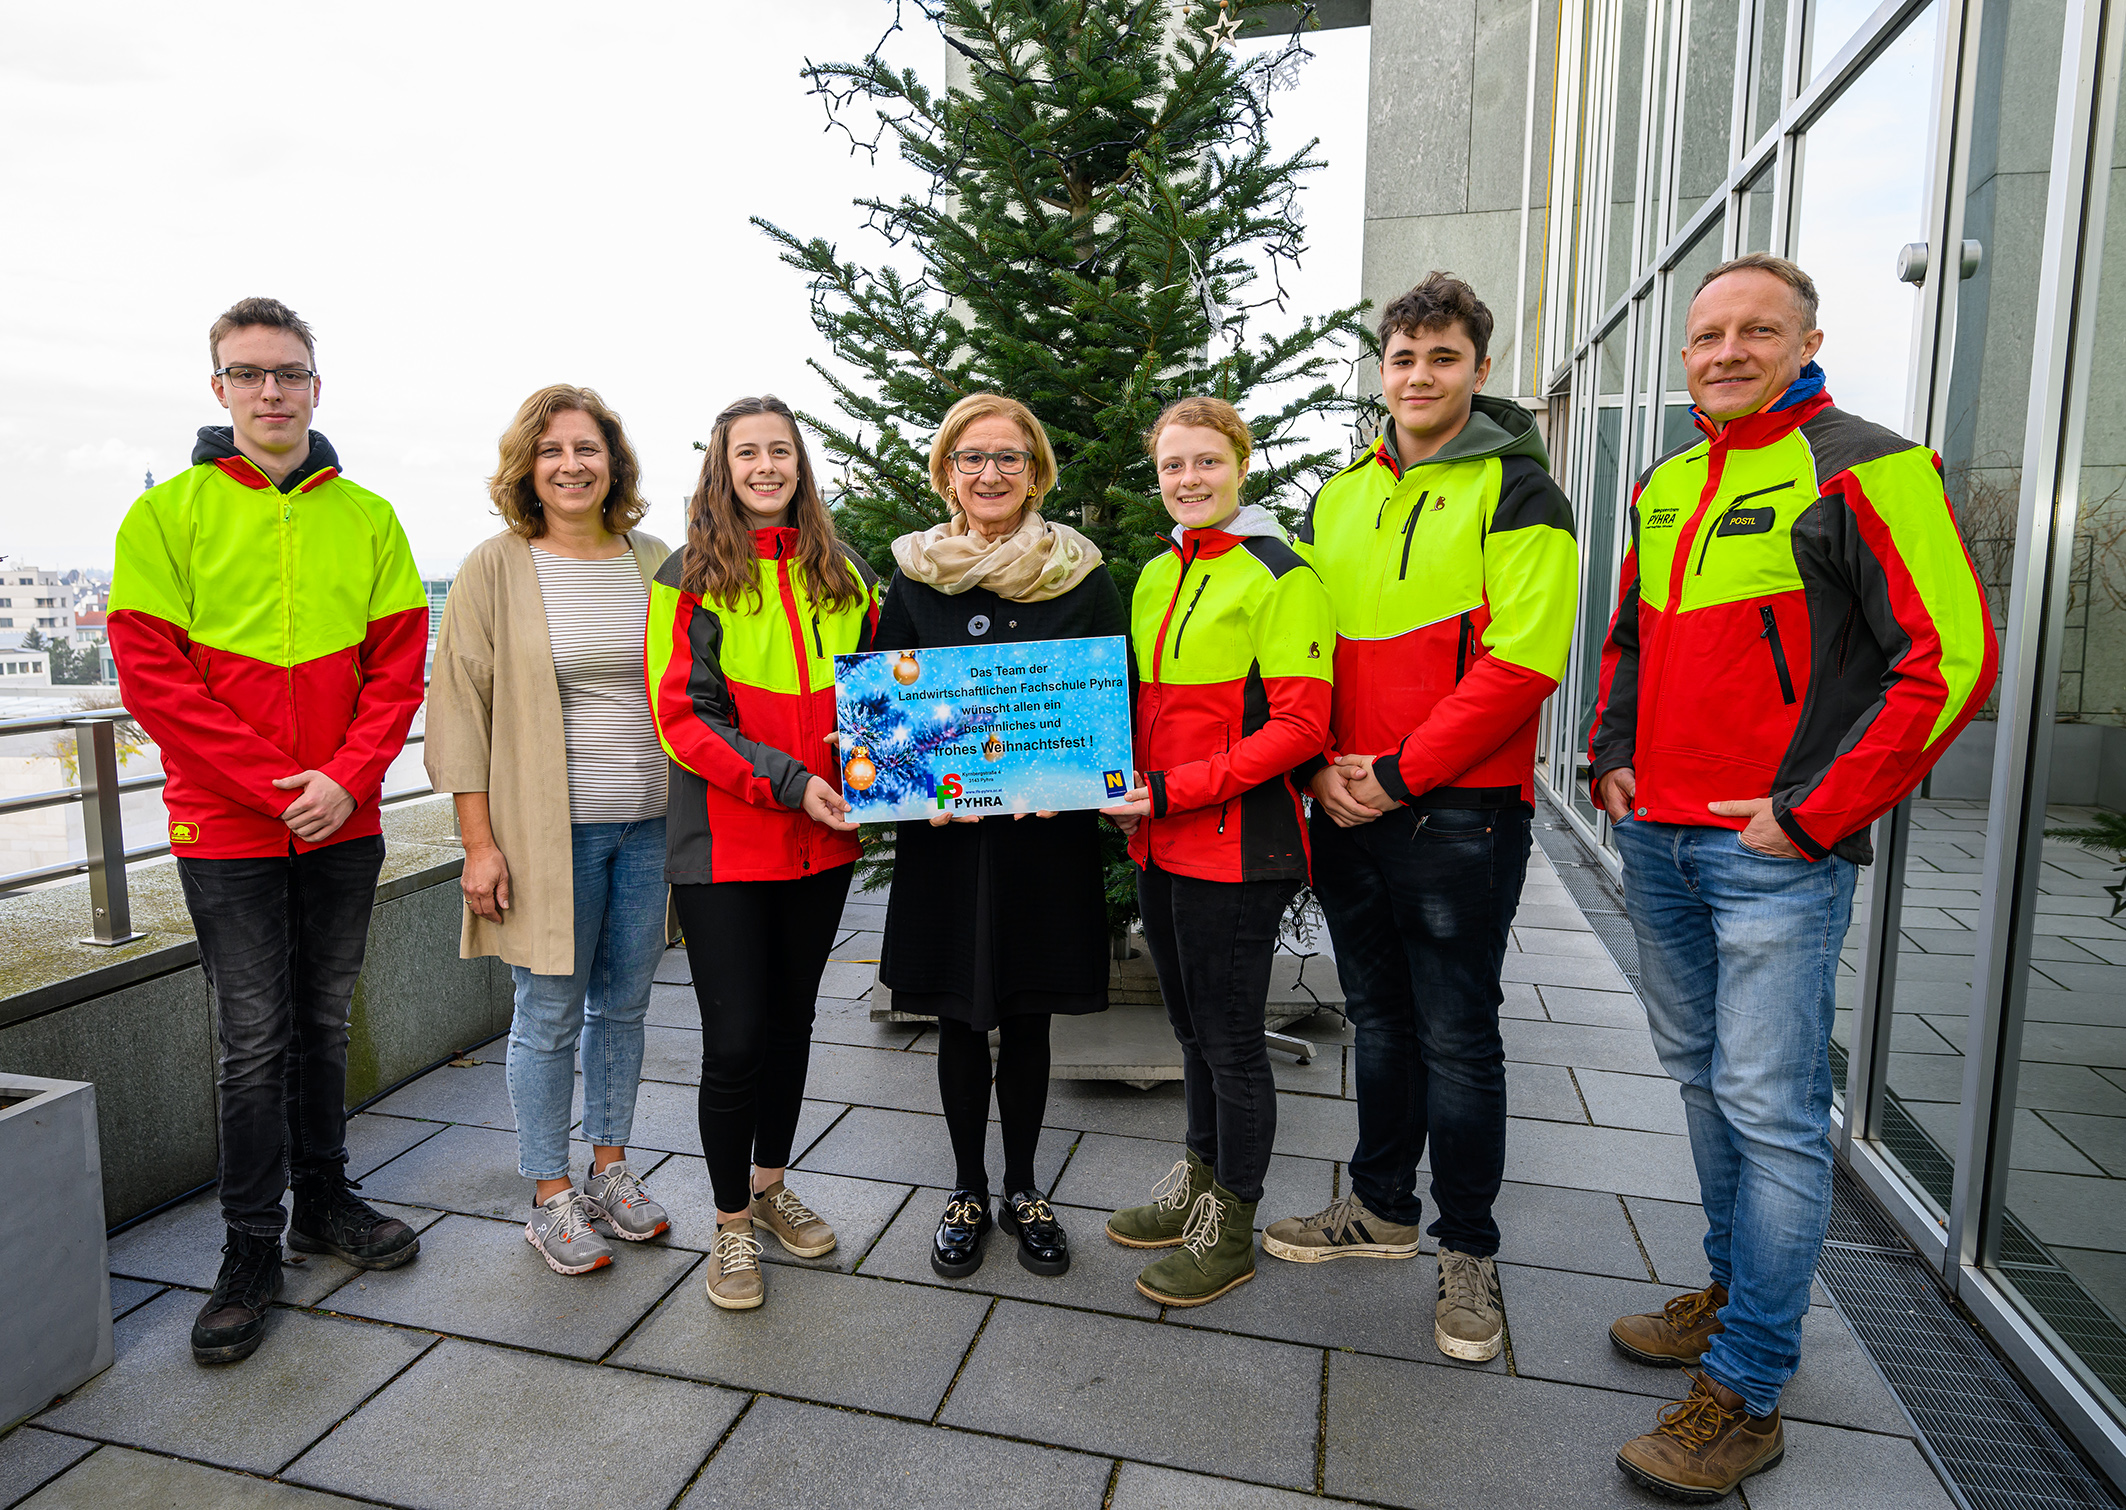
x: 1676, y: 1334
x: 1705, y: 1444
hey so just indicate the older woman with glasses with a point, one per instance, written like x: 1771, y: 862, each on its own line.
x: 996, y: 924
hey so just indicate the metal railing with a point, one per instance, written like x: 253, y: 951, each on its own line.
x: 102, y: 821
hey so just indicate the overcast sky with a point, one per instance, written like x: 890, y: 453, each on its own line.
x: 466, y: 202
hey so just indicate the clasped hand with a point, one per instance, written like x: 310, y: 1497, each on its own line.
x: 1350, y: 792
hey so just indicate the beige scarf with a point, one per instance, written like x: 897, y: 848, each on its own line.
x: 1035, y: 562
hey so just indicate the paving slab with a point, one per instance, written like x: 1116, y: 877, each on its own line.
x: 668, y: 1119
x: 1560, y: 1324
x: 784, y: 1453
x: 857, y: 1210
x: 1543, y: 1091
x: 182, y: 1246
x: 672, y: 1055
x: 838, y: 1021
x: 1137, y: 1389
x: 911, y: 1148
x: 255, y: 1417
x: 477, y: 1094
x: 468, y: 1169
x: 839, y: 1338
x: 1323, y: 1076
x: 1140, y: 1486
x: 1315, y: 1127
x: 129, y: 1294
x: 373, y: 1141
x: 1600, y: 1009
x: 674, y: 969
x: 1109, y: 1107
x: 1600, y: 1158
x: 1357, y: 1304
x: 1563, y: 970
x: 1102, y: 1274
x: 873, y: 1077
x: 118, y: 1478
x: 859, y: 946
x: 1555, y: 1227
x: 1107, y: 1173
x: 28, y: 1457
x: 1580, y: 1045
x: 673, y: 1006
x: 1828, y: 1469
x: 847, y: 981
x: 1519, y: 999
x: 481, y: 1279
x: 1448, y: 1453
x: 1651, y: 1103
x: 1674, y: 1235
x: 1579, y: 941
x: 452, y: 1432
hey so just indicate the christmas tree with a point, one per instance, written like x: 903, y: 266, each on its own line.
x: 1103, y: 226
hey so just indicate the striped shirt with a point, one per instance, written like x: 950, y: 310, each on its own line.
x: 597, y: 613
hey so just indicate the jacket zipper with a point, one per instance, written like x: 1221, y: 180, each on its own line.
x: 1192, y: 602
x: 1410, y: 534
x: 1461, y: 652
x: 1188, y: 559
x: 1771, y: 633
x: 817, y: 643
x: 786, y: 590
x: 1732, y: 506
x: 1845, y: 638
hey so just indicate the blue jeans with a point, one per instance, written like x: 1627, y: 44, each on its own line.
x: 1738, y: 959
x: 1419, y: 905
x: 620, y: 898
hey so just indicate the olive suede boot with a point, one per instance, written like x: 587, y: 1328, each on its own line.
x: 1217, y: 1252
x: 1161, y: 1224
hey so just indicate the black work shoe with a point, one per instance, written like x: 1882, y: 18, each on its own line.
x: 233, y: 1320
x: 1043, y: 1248
x: 329, y: 1218
x: 956, y: 1252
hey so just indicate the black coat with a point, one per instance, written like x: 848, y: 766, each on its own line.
x: 1006, y: 916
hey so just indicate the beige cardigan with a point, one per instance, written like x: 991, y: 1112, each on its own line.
x: 494, y: 726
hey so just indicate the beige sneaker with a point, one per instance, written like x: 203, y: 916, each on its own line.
x: 1468, y: 1319
x: 735, y: 1281
x: 1345, y: 1230
x: 776, y: 1210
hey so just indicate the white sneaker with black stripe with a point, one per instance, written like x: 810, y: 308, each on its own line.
x: 1345, y: 1229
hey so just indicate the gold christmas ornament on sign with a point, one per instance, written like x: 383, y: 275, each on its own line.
x: 992, y: 748
x: 859, y: 773
x: 905, y: 669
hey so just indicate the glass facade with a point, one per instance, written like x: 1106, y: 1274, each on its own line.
x: 1953, y: 174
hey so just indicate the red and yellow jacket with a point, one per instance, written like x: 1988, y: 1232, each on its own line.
x: 1798, y: 619
x: 1455, y: 581
x: 262, y: 631
x: 744, y: 700
x: 1232, y: 640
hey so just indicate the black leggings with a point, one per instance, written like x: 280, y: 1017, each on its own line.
x: 1022, y: 1096
x: 758, y: 949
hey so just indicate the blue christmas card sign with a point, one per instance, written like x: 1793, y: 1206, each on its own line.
x: 1040, y: 726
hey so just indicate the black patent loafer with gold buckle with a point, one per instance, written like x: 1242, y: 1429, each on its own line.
x: 956, y: 1252
x: 1043, y: 1247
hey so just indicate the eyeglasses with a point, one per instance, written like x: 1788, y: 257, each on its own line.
x: 1009, y: 463
x: 255, y: 377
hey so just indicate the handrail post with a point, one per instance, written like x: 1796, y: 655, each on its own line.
x: 103, y: 829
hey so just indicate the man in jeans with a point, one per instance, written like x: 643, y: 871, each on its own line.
x: 1800, y: 634
x: 269, y: 627
x: 1448, y: 554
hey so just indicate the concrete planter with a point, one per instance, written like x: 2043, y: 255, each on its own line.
x: 56, y: 1308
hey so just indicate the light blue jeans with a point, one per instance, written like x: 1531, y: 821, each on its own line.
x: 620, y: 897
x: 1738, y: 959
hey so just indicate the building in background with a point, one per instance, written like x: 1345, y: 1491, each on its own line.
x: 33, y: 598
x: 1945, y: 169
x: 438, y: 590
x: 23, y: 668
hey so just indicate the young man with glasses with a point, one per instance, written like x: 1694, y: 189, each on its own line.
x: 1448, y: 553
x: 1799, y: 637
x: 269, y: 627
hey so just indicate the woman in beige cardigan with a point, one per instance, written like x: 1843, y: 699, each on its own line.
x: 539, y: 724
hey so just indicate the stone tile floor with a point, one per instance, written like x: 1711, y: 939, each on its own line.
x: 477, y: 1377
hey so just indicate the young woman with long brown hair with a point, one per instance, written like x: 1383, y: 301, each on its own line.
x: 745, y: 623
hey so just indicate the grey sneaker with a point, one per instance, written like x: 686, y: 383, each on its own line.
x: 795, y: 1225
x: 1468, y: 1320
x: 560, y: 1229
x: 620, y: 1207
x: 1346, y: 1229
x: 734, y: 1268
